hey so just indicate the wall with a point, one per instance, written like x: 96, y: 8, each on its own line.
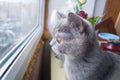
x: 112, y: 9
x: 117, y: 25
x: 92, y: 7
x: 99, y: 7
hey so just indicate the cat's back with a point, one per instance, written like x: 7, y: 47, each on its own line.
x: 116, y: 72
x: 80, y: 69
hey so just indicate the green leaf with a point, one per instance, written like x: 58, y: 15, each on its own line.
x: 93, y: 20
x: 82, y: 1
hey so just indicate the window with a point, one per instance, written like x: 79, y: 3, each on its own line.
x: 18, y: 21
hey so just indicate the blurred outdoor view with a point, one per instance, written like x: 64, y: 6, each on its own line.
x: 17, y: 19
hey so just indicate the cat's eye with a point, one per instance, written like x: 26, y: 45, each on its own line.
x: 59, y: 40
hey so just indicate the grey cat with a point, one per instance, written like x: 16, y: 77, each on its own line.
x: 75, y: 38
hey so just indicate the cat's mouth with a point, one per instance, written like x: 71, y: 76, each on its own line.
x: 52, y: 42
x: 54, y: 46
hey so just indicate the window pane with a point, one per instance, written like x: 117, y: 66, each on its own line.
x: 17, y: 19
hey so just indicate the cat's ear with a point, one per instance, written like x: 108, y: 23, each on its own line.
x: 76, y: 21
x: 56, y: 17
x: 54, y: 20
x: 60, y: 15
x: 73, y: 17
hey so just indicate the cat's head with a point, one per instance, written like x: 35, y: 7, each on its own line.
x: 72, y: 35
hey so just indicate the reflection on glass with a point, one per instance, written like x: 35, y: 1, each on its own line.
x: 17, y: 19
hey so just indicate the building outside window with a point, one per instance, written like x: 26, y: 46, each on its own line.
x: 18, y: 20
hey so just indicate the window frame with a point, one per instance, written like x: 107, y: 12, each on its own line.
x: 14, y: 68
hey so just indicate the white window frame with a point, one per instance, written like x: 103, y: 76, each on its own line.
x: 15, y: 67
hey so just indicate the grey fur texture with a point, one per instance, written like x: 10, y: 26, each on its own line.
x: 75, y: 38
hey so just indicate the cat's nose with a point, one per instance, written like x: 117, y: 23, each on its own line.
x: 52, y: 42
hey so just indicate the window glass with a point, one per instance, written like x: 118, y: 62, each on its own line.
x: 17, y: 19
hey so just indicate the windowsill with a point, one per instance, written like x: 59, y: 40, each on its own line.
x: 57, y: 72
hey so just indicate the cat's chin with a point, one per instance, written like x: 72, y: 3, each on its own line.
x: 55, y: 50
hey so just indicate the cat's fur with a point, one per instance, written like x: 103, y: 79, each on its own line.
x: 75, y: 38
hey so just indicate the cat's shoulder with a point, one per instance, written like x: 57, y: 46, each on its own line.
x: 114, y: 56
x: 116, y: 59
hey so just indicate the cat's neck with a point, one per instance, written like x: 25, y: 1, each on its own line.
x: 84, y: 55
